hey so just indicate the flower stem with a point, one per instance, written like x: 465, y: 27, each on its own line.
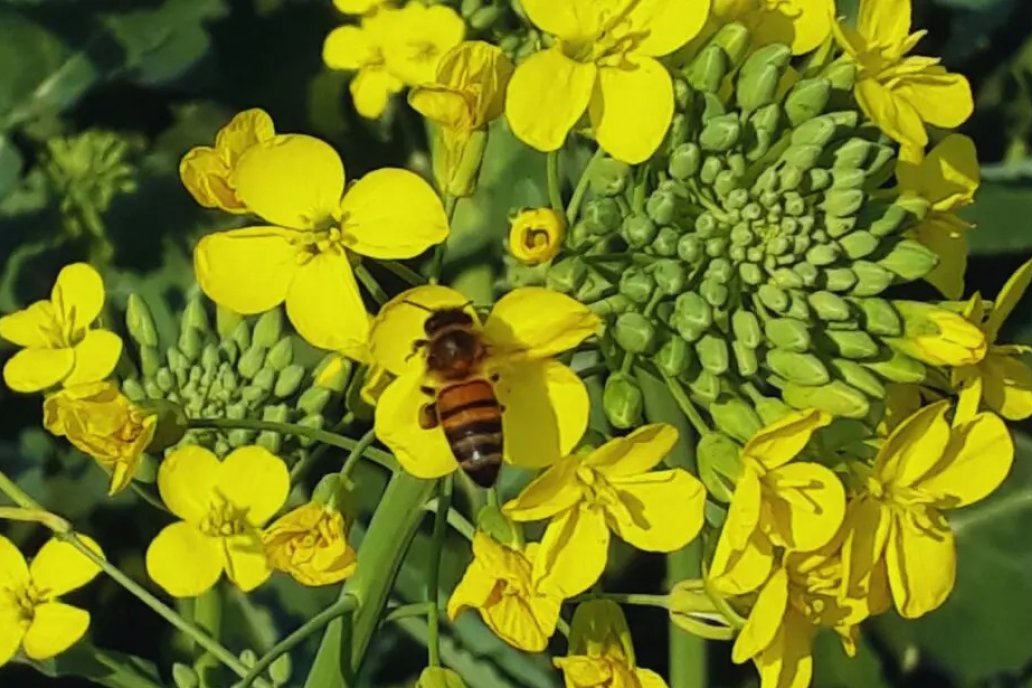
x: 433, y: 579
x: 573, y: 207
x: 632, y: 598
x: 406, y: 610
x: 404, y: 272
x: 456, y: 520
x: 685, y: 404
x: 555, y: 197
x: 450, y: 202
x: 356, y: 453
x: 370, y: 283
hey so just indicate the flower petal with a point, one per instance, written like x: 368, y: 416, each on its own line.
x: 325, y: 305
x: 293, y: 181
x: 573, y: 552
x: 632, y: 106
x: 55, y: 628
x: 636, y: 453
x: 59, y: 567
x: 375, y: 224
x: 866, y: 530
x: 571, y: 19
x: 254, y: 479
x: 187, y: 480
x: 977, y: 459
x: 940, y: 98
x: 422, y: 452
x: 662, y: 510
x: 666, y: 25
x: 473, y: 590
x: 245, y: 561
x: 534, y: 322
x: 807, y: 505
x: 738, y: 572
x: 29, y: 327
x: 1007, y: 299
x: 547, y: 94
x: 247, y: 270
x: 922, y: 561
x: 545, y: 411
x: 743, y: 514
x: 78, y: 295
x: 885, y: 22
x: 948, y: 176
x: 787, y: 662
x: 31, y: 370
x: 553, y: 491
x: 811, y: 22
x: 914, y: 446
x: 401, y: 323
x: 1007, y: 384
x: 946, y: 237
x: 95, y: 357
x: 12, y: 630
x: 764, y: 620
x: 893, y: 114
x: 371, y: 89
x: 14, y: 572
x: 780, y: 442
x: 184, y: 561
x: 205, y: 175
x: 347, y: 47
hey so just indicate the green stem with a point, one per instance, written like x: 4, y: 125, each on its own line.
x: 370, y: 283
x: 450, y: 202
x: 403, y: 272
x: 456, y: 520
x: 406, y: 610
x: 555, y: 197
x: 207, y: 615
x: 433, y: 579
x: 342, y: 606
x: 685, y: 404
x: 324, y: 436
x: 356, y: 453
x: 632, y: 598
x: 573, y: 207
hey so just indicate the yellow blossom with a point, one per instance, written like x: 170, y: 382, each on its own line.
x: 31, y: 615
x: 223, y: 505
x: 603, y: 62
x: 102, y: 423
x: 899, y: 93
x: 206, y: 171
x: 545, y: 403
x: 938, y: 336
x: 1002, y: 380
x: 801, y: 24
x: 498, y: 585
x: 611, y: 489
x: 360, y: 49
x: 536, y: 235
x: 601, y: 654
x: 466, y: 95
x: 419, y: 37
x: 948, y: 179
x: 310, y: 543
x: 925, y: 468
x: 304, y: 253
x: 359, y: 6
x: 60, y: 346
x: 777, y: 502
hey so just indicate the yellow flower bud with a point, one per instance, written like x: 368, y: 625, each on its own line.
x: 939, y: 337
x: 310, y: 544
x: 101, y: 422
x: 536, y: 235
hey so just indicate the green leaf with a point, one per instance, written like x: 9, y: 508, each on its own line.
x: 10, y: 165
x: 997, y: 213
x: 106, y: 668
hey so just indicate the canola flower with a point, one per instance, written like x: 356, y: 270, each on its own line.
x: 536, y: 235
x: 32, y: 616
x: 310, y: 543
x: 60, y: 344
x: 801, y: 24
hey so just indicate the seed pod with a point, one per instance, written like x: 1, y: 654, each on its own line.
x: 871, y: 278
x: 859, y: 377
x: 880, y: 318
x: 801, y: 368
x: 807, y: 99
x: 720, y: 465
x: 829, y: 306
x: 622, y: 401
x: 898, y: 367
x: 854, y: 344
x: 910, y: 260
x: 674, y: 356
x: 788, y: 333
x: 736, y: 418
x: 708, y: 69
x: 836, y: 398
x: 720, y: 133
x: 746, y: 328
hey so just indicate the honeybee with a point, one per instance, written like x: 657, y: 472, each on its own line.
x: 464, y: 405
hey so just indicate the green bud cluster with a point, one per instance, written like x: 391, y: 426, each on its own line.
x: 238, y: 369
x: 754, y: 249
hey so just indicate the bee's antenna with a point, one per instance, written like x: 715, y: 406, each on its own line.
x: 418, y: 305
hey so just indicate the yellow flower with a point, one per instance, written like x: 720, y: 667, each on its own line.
x: 901, y: 94
x: 206, y: 171
x: 925, y: 467
x: 938, y: 336
x: 303, y: 256
x: 358, y: 6
x: 101, y: 422
x: 777, y: 502
x: 1002, y: 380
x: 466, y: 95
x: 223, y: 506
x: 418, y: 38
x: 60, y: 346
x: 31, y: 616
x: 310, y: 543
x: 601, y: 654
x: 611, y: 489
x: 361, y: 49
x: 545, y: 403
x: 801, y: 24
x: 498, y: 585
x: 948, y: 179
x: 604, y: 62
x: 536, y: 235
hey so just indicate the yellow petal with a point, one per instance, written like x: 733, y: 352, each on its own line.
x: 357, y: 6
x: 247, y: 270
x: 422, y: 452
x: 55, y: 628
x: 401, y: 321
x: 59, y: 567
x: 867, y: 531
x: 811, y: 22
x: 580, y: 670
x: 666, y: 25
x: 787, y: 662
x: 940, y: 98
x: 480, y: 71
x: 948, y: 176
x: 662, y: 510
x: 914, y: 446
x: 632, y: 107
x: 187, y: 479
x: 293, y: 181
x: 807, y: 505
x: 14, y: 572
x: 649, y: 679
x: 922, y: 561
x: 416, y: 37
x: 205, y: 175
x: 764, y: 620
x: 978, y: 458
x: 892, y: 113
x: 184, y: 561
x: 29, y: 327
x: 347, y: 47
x: 371, y: 89
x: 256, y: 480
x: 545, y: 411
x: 325, y: 306
x: 573, y: 552
x: 743, y: 514
x: 782, y: 440
x: 571, y: 19
x: 884, y: 21
x: 636, y: 453
x: 1007, y: 386
x: 78, y: 295
x: 553, y: 491
x: 526, y: 624
x: 946, y: 237
x: 95, y: 357
x: 245, y: 561
x: 441, y: 104
x: 738, y: 572
x: 247, y: 128
x: 31, y: 370
x: 1007, y: 299
x: 547, y: 94
x: 12, y: 630
x: 376, y: 225
x: 534, y: 322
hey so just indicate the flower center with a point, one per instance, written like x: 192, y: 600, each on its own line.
x: 24, y: 600
x: 224, y: 519
x: 423, y: 51
x: 316, y: 242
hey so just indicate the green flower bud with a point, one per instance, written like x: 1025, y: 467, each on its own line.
x: 665, y: 243
x: 898, y: 367
x: 693, y: 308
x: 313, y: 400
x: 859, y: 377
x: 139, y: 322
x: 841, y: 74
x: 150, y: 361
x: 760, y: 75
x: 165, y: 380
x: 829, y: 306
x: 736, y: 418
x: 289, y: 380
x: 766, y: 119
x: 836, y: 398
x: 184, y: 676
x: 770, y: 409
x: 685, y: 161
x: 637, y: 285
x: 786, y: 278
x: 871, y: 278
x: 848, y: 179
x: 595, y: 287
x: 682, y: 94
x: 439, y: 677
x: 281, y: 354
x: 268, y: 329
x: 720, y: 465
x: 242, y: 336
x: 191, y: 343
x: 708, y: 69
x: 567, y: 275
x: 852, y: 154
x: 252, y: 361
x: 715, y: 292
x: 751, y: 273
x: 485, y: 17
x: 720, y: 133
x: 745, y: 359
x: 800, y: 157
x: 842, y: 202
x: 823, y: 254
x: 634, y: 332
x: 807, y: 99
x: 670, y: 276
x: 712, y: 352
x: 281, y: 670
x: 773, y: 297
x: 746, y: 328
x: 859, y: 244
x: 673, y: 357
x: 661, y: 207
x: 880, y: 317
x: 638, y: 231
x: 314, y: 422
x: 853, y: 344
x: 195, y: 316
x: 804, y: 369
x: 689, y: 248
x: 601, y: 215
x: 608, y: 177
x: 788, y: 333
x: 910, y: 260
x: 706, y: 385
x: 133, y: 390
x: 623, y: 401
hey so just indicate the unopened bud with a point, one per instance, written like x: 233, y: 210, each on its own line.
x: 720, y: 465
x: 836, y: 398
x: 601, y: 215
x: 802, y: 368
x: 788, y: 333
x: 634, y: 332
x: 623, y: 401
x: 567, y: 275
x: 807, y: 99
x: 674, y: 356
x: 853, y: 344
x: 685, y: 161
x: 638, y: 231
x: 736, y: 417
x: 708, y: 69
x: 536, y: 235
x: 910, y: 260
x: 608, y: 177
x: 139, y: 322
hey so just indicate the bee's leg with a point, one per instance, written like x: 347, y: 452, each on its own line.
x: 428, y: 415
x: 416, y: 346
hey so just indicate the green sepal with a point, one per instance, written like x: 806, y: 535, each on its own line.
x: 720, y: 465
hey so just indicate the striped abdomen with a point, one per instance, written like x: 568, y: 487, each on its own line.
x: 472, y: 422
